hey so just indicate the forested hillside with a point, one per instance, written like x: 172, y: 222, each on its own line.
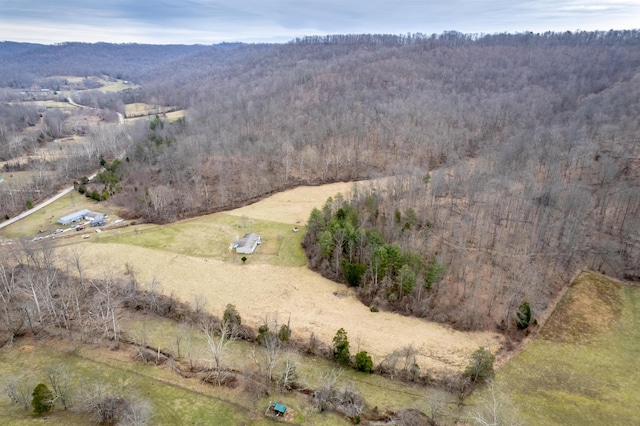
x: 25, y: 63
x: 516, y: 157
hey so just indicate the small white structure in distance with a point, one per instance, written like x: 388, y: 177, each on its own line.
x: 94, y: 217
x: 247, y: 244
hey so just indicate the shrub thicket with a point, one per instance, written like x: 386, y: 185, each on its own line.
x: 42, y: 401
x: 364, y: 362
x: 480, y: 369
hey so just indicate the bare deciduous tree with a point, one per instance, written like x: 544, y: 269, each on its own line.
x: 218, y: 342
x: 494, y: 410
x: 18, y: 389
x: 59, y: 378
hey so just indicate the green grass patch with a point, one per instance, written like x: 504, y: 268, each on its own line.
x: 115, y: 86
x: 174, y: 400
x: 108, y: 85
x: 211, y: 236
x: 591, y: 307
x: 582, y: 369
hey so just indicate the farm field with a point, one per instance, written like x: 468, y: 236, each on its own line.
x: 191, y: 258
x: 313, y: 303
x: 108, y: 85
x: 582, y: 367
x: 50, y: 104
x: 142, y: 109
x: 275, y: 280
x: 576, y: 371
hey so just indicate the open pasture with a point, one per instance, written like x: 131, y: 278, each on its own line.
x: 191, y: 258
x: 173, y: 400
x: 582, y: 369
x: 108, y: 84
x: 141, y: 109
x: 49, y: 104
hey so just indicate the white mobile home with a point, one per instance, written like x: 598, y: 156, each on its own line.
x: 247, y: 244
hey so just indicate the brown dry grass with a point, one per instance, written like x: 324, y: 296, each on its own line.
x: 293, y: 206
x: 140, y: 108
x: 313, y: 303
x: 591, y: 307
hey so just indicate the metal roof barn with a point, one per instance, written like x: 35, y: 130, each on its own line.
x: 73, y: 217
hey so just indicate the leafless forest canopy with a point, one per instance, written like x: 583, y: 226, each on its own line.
x: 515, y: 158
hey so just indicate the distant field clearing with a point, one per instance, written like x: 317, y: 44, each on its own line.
x: 293, y: 206
x: 139, y: 108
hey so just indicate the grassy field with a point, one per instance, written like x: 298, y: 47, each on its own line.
x: 191, y: 258
x: 583, y: 367
x: 114, y: 86
x: 50, y: 104
x: 175, y: 115
x: 376, y: 390
x: 210, y: 236
x: 139, y: 108
x: 174, y: 400
x: 107, y: 84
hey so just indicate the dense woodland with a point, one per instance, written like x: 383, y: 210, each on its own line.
x: 514, y: 157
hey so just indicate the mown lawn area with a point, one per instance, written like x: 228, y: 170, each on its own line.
x: 211, y: 236
x: 582, y: 369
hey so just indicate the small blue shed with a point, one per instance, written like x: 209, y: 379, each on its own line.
x: 280, y: 409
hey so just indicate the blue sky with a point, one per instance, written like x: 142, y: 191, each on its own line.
x: 214, y: 21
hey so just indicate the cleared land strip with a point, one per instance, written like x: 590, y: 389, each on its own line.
x: 313, y: 303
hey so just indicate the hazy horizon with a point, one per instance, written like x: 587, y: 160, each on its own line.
x: 251, y: 21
